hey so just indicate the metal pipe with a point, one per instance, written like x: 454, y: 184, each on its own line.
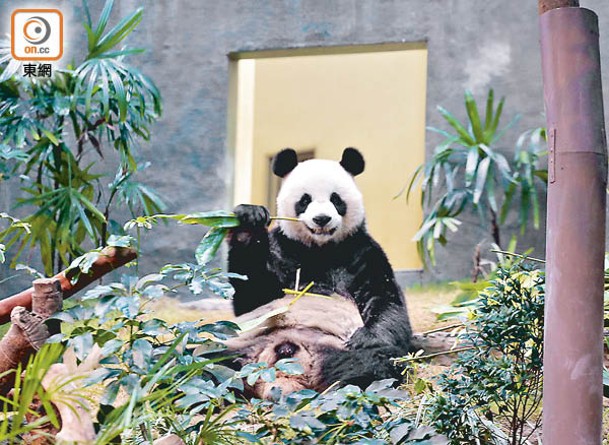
x: 575, y: 244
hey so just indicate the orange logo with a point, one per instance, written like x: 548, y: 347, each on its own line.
x: 37, y: 34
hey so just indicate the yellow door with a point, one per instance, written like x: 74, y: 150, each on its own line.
x: 371, y: 98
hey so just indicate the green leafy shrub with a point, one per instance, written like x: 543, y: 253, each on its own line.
x: 468, y: 171
x: 52, y: 129
x: 492, y: 393
x: 155, y: 378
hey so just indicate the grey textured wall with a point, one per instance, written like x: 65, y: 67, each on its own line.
x: 473, y: 44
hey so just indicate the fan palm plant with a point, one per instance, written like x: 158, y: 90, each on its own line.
x: 49, y: 128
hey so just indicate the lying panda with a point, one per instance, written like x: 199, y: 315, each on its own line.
x: 332, y: 248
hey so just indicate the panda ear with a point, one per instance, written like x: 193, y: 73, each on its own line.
x: 284, y: 162
x: 352, y: 161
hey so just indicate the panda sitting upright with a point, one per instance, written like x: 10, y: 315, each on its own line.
x: 332, y: 248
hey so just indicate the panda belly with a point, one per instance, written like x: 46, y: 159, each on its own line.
x: 310, y: 328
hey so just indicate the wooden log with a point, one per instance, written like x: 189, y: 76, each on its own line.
x: 111, y: 258
x: 28, y: 331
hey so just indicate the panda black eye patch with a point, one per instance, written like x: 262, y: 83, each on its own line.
x: 341, y: 206
x: 302, y: 204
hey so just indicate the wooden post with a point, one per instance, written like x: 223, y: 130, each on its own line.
x: 28, y: 331
x: 575, y: 238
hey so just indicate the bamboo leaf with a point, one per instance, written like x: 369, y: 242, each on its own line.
x: 525, y: 202
x: 495, y: 122
x: 105, y: 90
x: 481, y: 179
x: 541, y: 174
x: 474, y: 117
x: 91, y: 84
x: 471, y: 165
x: 425, y: 227
x: 51, y: 137
x: 490, y: 191
x: 460, y: 129
x: 507, y: 202
x: 117, y: 34
x: 249, y: 325
x: 103, y: 19
x: 121, y: 95
x: 90, y: 206
x: 416, y: 177
x: 535, y: 206
x: 488, y: 119
x: 438, y: 229
x: 121, y: 53
x: 210, y: 244
x: 219, y: 218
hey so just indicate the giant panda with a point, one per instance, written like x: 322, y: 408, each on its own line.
x: 331, y: 247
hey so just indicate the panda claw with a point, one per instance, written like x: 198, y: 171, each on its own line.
x: 252, y: 215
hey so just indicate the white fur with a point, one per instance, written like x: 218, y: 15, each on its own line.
x: 319, y: 178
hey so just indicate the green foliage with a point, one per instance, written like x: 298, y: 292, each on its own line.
x: 200, y: 275
x: 18, y: 406
x: 462, y: 305
x: 165, y: 370
x: 14, y: 225
x: 492, y: 393
x: 155, y: 378
x: 527, y: 174
x: 345, y: 416
x: 468, y: 171
x: 51, y: 130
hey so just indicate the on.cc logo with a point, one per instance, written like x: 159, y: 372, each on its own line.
x: 36, y: 34
x: 37, y: 30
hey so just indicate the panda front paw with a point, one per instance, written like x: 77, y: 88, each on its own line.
x: 362, y: 338
x: 252, y: 215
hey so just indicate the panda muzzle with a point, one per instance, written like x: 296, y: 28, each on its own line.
x: 322, y: 230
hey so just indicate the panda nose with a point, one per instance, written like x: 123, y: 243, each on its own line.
x: 322, y: 220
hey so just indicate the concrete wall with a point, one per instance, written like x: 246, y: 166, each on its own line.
x: 475, y: 44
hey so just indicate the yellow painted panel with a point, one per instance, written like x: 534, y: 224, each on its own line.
x: 374, y: 101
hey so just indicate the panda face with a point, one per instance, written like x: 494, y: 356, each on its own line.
x: 324, y: 197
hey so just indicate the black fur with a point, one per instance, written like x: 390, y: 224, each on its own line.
x: 284, y: 162
x: 352, y: 161
x: 355, y: 267
x: 339, y: 204
x: 301, y: 206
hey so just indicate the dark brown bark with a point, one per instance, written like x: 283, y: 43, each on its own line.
x: 112, y: 258
x: 546, y: 5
